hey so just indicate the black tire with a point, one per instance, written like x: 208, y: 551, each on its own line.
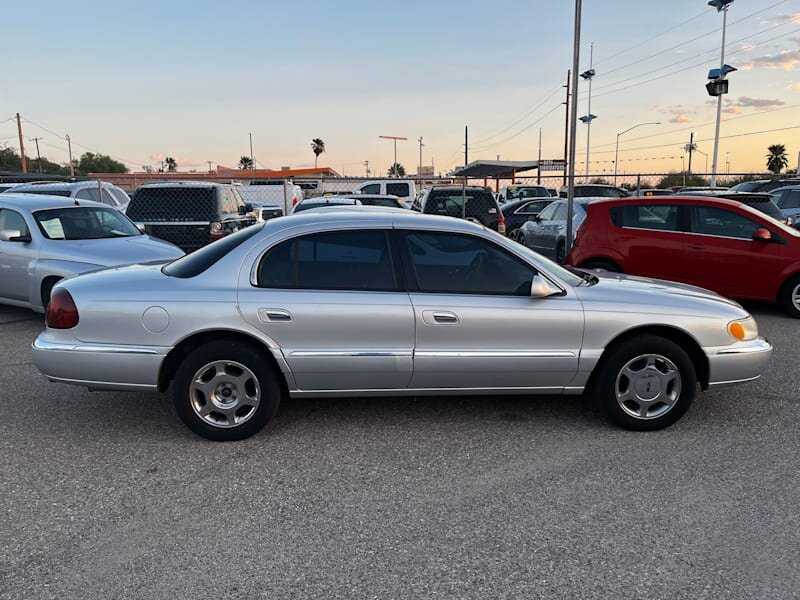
x: 47, y: 290
x: 561, y: 252
x: 610, y: 378
x: 268, y: 390
x: 788, y: 290
x: 515, y: 234
x: 601, y: 264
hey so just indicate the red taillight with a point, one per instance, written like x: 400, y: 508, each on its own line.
x: 61, y: 311
x: 215, y: 231
x: 294, y: 201
x: 501, y: 224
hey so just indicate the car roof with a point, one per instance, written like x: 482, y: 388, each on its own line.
x: 359, y: 196
x: 673, y: 199
x: 785, y: 187
x: 60, y: 185
x: 197, y: 184
x: 344, y: 200
x: 375, y: 216
x: 34, y: 202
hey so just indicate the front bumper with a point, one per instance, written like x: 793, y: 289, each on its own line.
x: 99, y: 366
x: 740, y: 362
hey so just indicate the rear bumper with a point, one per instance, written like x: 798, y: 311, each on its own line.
x: 99, y: 366
x: 738, y: 363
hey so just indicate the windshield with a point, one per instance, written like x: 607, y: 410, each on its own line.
x: 551, y: 268
x: 197, y: 262
x: 120, y: 196
x: 84, y: 223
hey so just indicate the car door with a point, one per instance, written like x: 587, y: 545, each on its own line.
x: 535, y: 230
x: 552, y: 229
x: 334, y: 304
x: 650, y: 237
x: 15, y: 258
x: 721, y: 254
x: 789, y: 203
x: 477, y: 325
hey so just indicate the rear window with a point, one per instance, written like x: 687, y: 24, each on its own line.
x: 173, y: 204
x: 388, y: 202
x: 398, y: 189
x: 197, y: 262
x: 45, y: 192
x: 766, y: 206
x: 449, y: 203
x: 309, y: 205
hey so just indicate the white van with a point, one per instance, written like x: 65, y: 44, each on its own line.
x: 405, y: 189
x: 272, y: 195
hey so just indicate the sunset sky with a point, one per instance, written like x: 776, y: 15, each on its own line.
x: 143, y: 80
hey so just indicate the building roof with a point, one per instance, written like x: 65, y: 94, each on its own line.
x: 496, y: 169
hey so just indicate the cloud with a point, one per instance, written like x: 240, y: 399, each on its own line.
x: 784, y: 59
x: 794, y: 86
x: 681, y: 118
x: 732, y: 110
x: 780, y: 19
x: 748, y: 102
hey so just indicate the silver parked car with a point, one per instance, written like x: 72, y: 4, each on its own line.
x: 44, y: 239
x: 97, y: 191
x: 386, y: 302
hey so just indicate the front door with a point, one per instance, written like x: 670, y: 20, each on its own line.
x: 15, y: 258
x: 333, y: 303
x: 721, y: 254
x: 477, y: 325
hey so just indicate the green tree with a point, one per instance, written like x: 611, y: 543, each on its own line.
x: 245, y: 163
x: 777, y: 159
x: 172, y: 165
x: 680, y: 180
x: 90, y: 162
x: 317, y: 147
x: 10, y: 160
x: 396, y: 170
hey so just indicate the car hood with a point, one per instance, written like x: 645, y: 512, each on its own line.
x: 656, y: 295
x: 109, y: 252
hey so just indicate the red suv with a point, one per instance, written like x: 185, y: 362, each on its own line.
x: 714, y: 243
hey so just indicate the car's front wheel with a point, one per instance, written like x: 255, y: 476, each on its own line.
x: 645, y: 383
x: 790, y: 297
x: 226, y: 391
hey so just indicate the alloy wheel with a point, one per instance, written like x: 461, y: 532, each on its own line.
x: 224, y: 393
x: 648, y: 386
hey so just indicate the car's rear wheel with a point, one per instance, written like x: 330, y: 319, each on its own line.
x: 561, y: 252
x: 645, y: 383
x: 790, y: 296
x: 516, y: 235
x: 606, y: 265
x: 226, y: 391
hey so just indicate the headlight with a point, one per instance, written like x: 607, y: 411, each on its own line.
x: 743, y: 329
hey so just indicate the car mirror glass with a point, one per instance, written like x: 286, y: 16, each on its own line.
x: 762, y: 235
x: 13, y: 235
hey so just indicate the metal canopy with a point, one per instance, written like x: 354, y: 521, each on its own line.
x: 498, y: 169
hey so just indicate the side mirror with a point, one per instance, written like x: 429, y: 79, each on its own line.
x: 245, y: 208
x: 762, y: 235
x: 542, y: 288
x: 14, y: 235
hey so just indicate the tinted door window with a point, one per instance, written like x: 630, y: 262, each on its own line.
x: 372, y: 188
x: 11, y: 219
x: 342, y: 260
x: 548, y: 212
x: 397, y: 189
x: 561, y: 213
x: 463, y: 264
x: 720, y: 222
x: 531, y: 208
x: 662, y: 217
x: 791, y: 199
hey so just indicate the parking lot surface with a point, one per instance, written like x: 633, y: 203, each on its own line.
x: 108, y: 495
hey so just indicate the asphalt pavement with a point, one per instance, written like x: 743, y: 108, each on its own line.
x: 107, y: 495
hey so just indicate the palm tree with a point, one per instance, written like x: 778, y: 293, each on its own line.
x: 172, y: 166
x: 318, y: 147
x: 245, y: 163
x: 777, y: 159
x: 396, y: 170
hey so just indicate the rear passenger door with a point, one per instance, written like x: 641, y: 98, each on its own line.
x: 336, y: 307
x: 650, y: 237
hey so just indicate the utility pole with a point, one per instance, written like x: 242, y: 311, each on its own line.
x: 21, y: 145
x: 690, y: 148
x: 366, y: 168
x: 69, y: 149
x: 393, y: 138
x: 538, y: 167
x: 252, y: 158
x: 566, y: 127
x: 209, y: 166
x: 466, y: 145
x: 419, y: 172
x: 38, y: 156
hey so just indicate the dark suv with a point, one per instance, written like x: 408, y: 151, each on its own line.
x: 189, y: 214
x: 474, y: 203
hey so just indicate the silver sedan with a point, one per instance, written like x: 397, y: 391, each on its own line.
x: 388, y: 303
x: 44, y: 239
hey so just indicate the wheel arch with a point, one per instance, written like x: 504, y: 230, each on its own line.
x: 679, y: 336
x: 173, y: 359
x: 601, y: 258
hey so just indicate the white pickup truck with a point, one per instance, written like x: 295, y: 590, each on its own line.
x: 517, y: 192
x: 284, y: 195
x: 405, y: 189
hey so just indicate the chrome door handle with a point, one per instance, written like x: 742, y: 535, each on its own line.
x: 446, y: 318
x: 266, y: 315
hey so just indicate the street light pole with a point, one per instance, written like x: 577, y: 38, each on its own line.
x: 719, y: 98
x: 573, y: 126
x: 616, y: 152
x: 394, y: 138
x: 589, y: 75
x: 252, y: 158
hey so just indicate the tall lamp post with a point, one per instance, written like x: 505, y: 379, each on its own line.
x: 573, y: 125
x: 616, y: 152
x: 394, y: 138
x: 588, y: 75
x: 718, y: 85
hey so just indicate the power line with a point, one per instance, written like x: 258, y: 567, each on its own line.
x: 523, y: 117
x: 521, y: 131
